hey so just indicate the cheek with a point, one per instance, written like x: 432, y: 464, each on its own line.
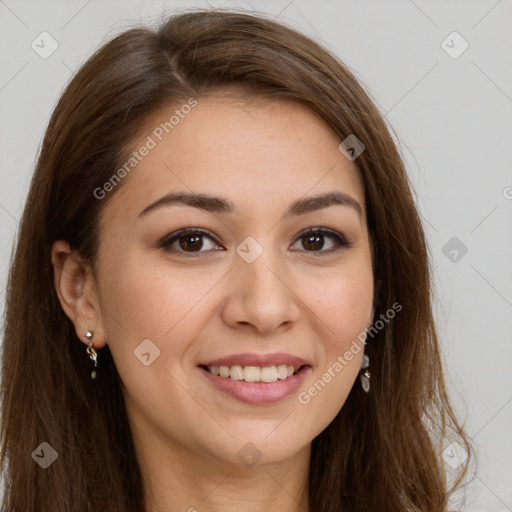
x: 152, y: 301
x: 148, y: 296
x: 344, y: 303
x: 343, y: 307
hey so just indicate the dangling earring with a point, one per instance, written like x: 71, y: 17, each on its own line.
x: 93, y: 355
x: 365, y: 374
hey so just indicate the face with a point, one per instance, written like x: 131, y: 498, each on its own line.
x: 264, y: 277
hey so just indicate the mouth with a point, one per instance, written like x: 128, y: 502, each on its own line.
x: 256, y: 385
x: 258, y: 374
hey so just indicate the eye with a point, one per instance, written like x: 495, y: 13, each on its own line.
x: 189, y: 240
x: 313, y: 240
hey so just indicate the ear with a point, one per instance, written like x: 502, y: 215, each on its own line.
x: 76, y: 289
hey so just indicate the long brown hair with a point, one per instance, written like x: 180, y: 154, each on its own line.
x: 383, y: 450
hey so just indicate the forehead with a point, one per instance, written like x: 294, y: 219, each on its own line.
x: 254, y: 151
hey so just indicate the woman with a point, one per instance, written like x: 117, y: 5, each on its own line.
x: 221, y: 294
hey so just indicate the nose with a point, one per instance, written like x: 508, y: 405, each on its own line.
x: 261, y: 297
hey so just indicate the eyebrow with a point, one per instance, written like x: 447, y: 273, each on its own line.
x: 222, y: 205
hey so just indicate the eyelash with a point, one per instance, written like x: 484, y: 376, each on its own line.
x: 340, y: 240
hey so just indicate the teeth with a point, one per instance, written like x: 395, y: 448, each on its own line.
x: 282, y: 371
x: 251, y: 374
x: 236, y: 372
x: 268, y: 374
x: 255, y: 373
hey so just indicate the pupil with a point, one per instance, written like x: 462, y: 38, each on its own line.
x: 314, y: 240
x: 195, y: 244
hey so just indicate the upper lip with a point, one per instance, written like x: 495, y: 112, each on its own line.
x: 253, y: 359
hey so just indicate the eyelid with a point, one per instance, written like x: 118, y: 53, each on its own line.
x: 322, y: 230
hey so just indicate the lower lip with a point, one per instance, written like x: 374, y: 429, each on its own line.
x: 258, y: 393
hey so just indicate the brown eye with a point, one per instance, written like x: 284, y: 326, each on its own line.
x: 315, y: 240
x: 189, y: 240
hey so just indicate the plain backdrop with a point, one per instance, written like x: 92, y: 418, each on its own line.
x: 447, y: 95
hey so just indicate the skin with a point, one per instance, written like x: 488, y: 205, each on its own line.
x: 198, y: 306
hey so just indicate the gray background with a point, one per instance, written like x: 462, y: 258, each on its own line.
x: 453, y: 119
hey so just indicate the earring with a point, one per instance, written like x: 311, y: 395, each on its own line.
x: 93, y: 355
x: 365, y: 375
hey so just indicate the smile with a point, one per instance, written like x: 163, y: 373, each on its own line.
x: 256, y: 385
x: 265, y: 374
